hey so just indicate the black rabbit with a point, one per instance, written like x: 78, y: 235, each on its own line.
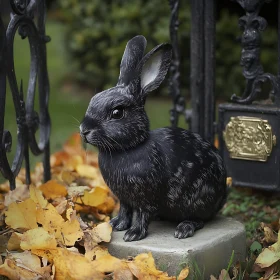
x: 168, y: 172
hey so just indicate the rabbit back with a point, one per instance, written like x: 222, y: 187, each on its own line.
x: 174, y: 174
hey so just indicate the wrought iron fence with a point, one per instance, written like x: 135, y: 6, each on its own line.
x: 248, y: 130
x: 28, y: 18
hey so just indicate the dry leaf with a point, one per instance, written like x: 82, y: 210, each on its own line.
x: 100, y: 233
x: 68, y: 177
x: 20, y: 193
x: 14, y: 242
x: 21, y: 215
x: 52, y: 189
x: 95, y: 197
x: 12, y: 271
x: 69, y: 265
x: 37, y: 196
x: 87, y: 171
x: 37, y: 238
x: 269, y: 235
x: 143, y: 267
x: 184, y: 274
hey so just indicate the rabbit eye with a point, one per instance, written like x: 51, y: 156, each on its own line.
x: 117, y: 113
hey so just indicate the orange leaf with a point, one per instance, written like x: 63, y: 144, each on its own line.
x: 52, y: 190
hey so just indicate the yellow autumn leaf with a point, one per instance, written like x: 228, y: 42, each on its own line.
x: 95, y: 197
x: 67, y: 176
x: 109, y: 264
x: 22, y: 215
x: 52, y: 189
x: 71, y: 232
x: 66, y: 232
x: 37, y: 238
x: 184, y: 274
x: 50, y: 220
x: 70, y: 265
x: 37, y: 196
x: 143, y: 267
x: 14, y: 242
x: 73, y: 161
x: 87, y: 171
x: 12, y: 271
x: 100, y: 233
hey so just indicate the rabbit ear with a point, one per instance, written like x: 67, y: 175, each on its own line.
x: 154, y: 67
x: 133, y: 54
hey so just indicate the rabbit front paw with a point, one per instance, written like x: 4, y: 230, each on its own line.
x: 135, y: 233
x: 120, y: 223
x: 187, y: 228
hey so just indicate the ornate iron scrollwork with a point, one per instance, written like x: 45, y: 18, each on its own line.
x: 28, y: 121
x: 174, y: 81
x: 249, y: 138
x: 252, y: 25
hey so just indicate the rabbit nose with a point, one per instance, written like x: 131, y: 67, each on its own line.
x: 84, y: 132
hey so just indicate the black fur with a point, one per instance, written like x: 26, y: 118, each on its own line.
x: 170, y: 173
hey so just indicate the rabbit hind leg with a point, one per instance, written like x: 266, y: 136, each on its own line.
x: 187, y: 228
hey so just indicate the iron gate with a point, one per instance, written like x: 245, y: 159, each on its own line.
x: 248, y: 130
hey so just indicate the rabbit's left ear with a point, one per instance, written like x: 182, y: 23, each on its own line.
x: 154, y: 66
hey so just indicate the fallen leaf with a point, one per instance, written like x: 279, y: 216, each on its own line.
x: 70, y: 265
x: 52, y: 189
x: 143, y: 267
x: 269, y: 235
x: 184, y: 274
x: 20, y: 193
x: 22, y: 215
x: 100, y: 233
x: 95, y: 197
x: 14, y: 242
x: 12, y: 271
x: 87, y: 171
x: 37, y: 196
x: 74, y: 191
x: 37, y: 238
x: 27, y: 259
x: 68, y: 177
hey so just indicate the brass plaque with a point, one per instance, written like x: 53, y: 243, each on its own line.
x: 249, y: 138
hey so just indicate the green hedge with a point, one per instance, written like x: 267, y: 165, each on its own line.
x: 99, y: 30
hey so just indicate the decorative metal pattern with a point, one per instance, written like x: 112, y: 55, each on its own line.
x: 174, y: 81
x: 28, y: 121
x: 252, y: 25
x: 249, y: 138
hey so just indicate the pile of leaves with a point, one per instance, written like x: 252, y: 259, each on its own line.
x: 57, y: 230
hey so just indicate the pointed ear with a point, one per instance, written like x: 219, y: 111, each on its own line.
x: 133, y: 54
x: 154, y: 67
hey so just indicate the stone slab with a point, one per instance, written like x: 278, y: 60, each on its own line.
x: 210, y: 248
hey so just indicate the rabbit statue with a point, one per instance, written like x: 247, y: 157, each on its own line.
x: 170, y: 173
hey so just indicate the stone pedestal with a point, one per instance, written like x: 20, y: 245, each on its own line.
x: 210, y: 248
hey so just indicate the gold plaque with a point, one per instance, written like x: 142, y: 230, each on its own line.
x: 249, y: 138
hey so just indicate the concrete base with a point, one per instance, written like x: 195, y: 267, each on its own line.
x: 209, y: 249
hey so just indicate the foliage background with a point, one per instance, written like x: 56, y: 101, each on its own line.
x: 97, y: 33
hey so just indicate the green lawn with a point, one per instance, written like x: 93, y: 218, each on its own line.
x: 67, y: 103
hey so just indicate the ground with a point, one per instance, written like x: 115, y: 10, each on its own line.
x: 68, y: 104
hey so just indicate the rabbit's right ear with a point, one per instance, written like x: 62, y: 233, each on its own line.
x: 133, y: 54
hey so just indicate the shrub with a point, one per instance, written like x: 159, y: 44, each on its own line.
x: 98, y: 32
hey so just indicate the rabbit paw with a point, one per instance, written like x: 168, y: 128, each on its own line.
x: 135, y: 233
x: 187, y: 228
x: 120, y: 223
